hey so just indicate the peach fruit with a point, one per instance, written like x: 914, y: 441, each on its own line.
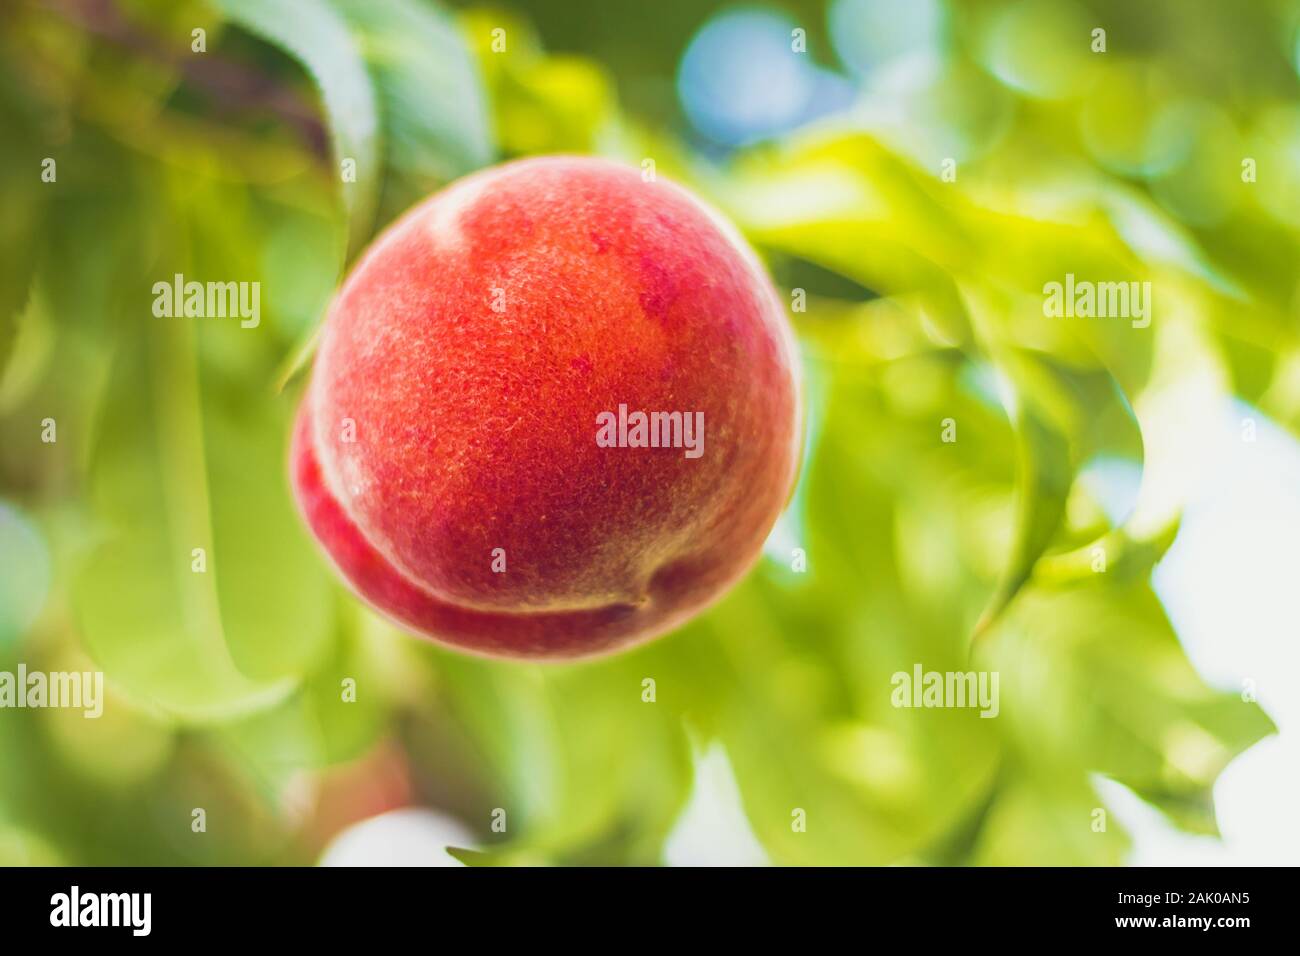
x: 554, y: 412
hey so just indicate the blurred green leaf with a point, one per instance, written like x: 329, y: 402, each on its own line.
x: 148, y: 618
x: 429, y: 90
x: 1046, y: 473
x: 576, y: 790
x: 203, y: 594
x: 1045, y: 817
x: 1096, y: 676
x: 314, y: 34
x: 24, y: 574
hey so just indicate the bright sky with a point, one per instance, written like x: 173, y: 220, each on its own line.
x: 1231, y: 584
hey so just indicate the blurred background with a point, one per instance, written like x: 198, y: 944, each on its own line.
x: 1113, y: 530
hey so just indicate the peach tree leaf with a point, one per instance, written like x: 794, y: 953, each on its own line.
x: 576, y: 789
x: 200, y: 591
x: 318, y: 38
x: 1094, y: 675
x: 430, y: 94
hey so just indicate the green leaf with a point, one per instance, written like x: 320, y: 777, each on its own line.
x: 829, y: 771
x: 1094, y: 675
x: 1043, y: 816
x: 22, y: 196
x: 576, y: 790
x: 274, y: 598
x: 24, y: 574
x: 324, y: 723
x: 315, y: 35
x: 19, y: 847
x: 151, y: 621
x: 202, y: 592
x: 1046, y: 465
x: 429, y: 90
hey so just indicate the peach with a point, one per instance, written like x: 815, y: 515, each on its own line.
x: 554, y: 412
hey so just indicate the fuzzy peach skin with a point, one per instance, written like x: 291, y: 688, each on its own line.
x: 453, y: 411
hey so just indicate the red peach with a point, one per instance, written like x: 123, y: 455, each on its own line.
x: 452, y: 454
